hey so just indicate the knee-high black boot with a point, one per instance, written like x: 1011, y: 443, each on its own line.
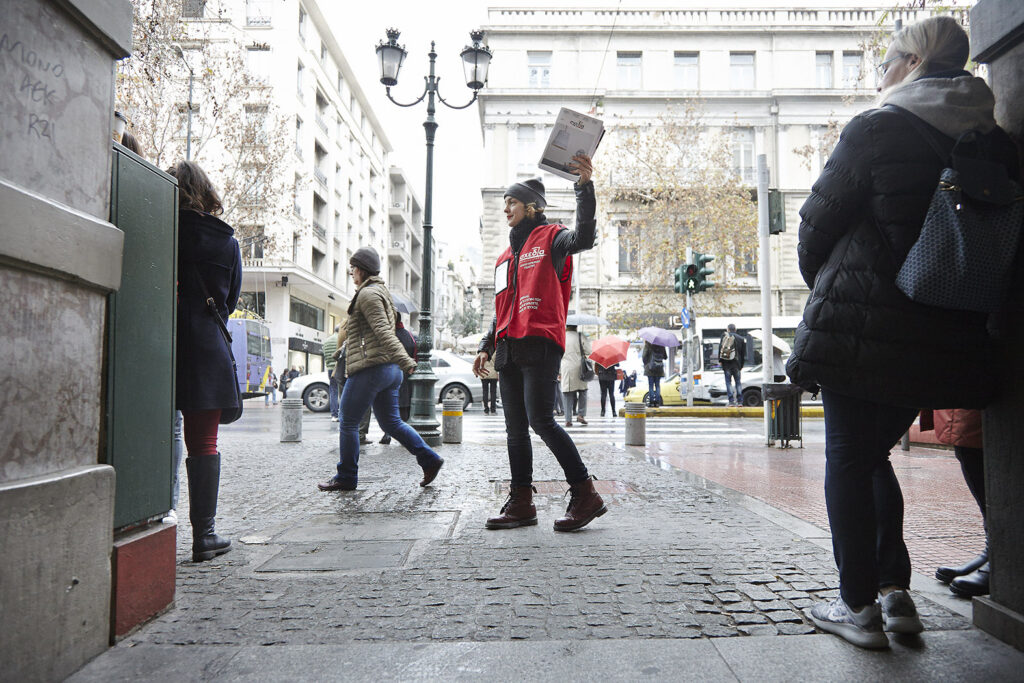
x: 203, y: 485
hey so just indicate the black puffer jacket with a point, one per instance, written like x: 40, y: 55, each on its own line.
x: 860, y: 335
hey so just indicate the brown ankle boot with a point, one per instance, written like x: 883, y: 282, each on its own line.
x: 518, y: 510
x: 584, y: 505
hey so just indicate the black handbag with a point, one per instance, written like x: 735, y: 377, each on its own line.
x: 227, y: 415
x: 586, y: 365
x: 963, y: 259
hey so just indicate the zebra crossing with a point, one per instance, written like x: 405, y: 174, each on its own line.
x: 488, y: 428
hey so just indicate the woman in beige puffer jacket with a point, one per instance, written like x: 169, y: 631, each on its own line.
x: 375, y: 364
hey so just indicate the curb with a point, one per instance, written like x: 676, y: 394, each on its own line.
x: 722, y: 411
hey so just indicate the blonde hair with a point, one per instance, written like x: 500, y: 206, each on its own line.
x: 532, y: 211
x: 939, y: 42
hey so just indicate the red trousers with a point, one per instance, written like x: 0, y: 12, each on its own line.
x: 201, y: 431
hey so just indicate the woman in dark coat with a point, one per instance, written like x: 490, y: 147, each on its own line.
x: 654, y: 356
x: 877, y: 356
x: 209, y: 264
x: 404, y: 391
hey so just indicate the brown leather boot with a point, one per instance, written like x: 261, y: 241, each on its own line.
x: 518, y: 510
x: 584, y: 505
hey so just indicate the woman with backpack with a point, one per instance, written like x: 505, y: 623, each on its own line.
x: 877, y: 356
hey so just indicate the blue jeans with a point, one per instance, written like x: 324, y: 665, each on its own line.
x: 332, y: 393
x: 376, y: 386
x: 177, y: 453
x: 528, y: 399
x: 863, y: 496
x: 654, y: 390
x: 731, y: 370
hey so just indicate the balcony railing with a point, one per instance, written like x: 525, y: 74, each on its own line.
x: 323, y: 124
x: 320, y: 176
x: 319, y: 231
x: 257, y: 21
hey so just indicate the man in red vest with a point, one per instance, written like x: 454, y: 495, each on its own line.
x: 532, y: 285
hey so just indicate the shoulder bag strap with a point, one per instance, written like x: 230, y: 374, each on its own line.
x: 211, y: 305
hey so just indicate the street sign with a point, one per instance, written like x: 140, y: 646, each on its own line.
x: 685, y: 317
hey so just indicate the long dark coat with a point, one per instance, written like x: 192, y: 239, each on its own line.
x: 860, y: 335
x: 205, y: 244
x: 409, y: 344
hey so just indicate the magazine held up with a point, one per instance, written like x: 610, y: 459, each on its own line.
x: 574, y: 133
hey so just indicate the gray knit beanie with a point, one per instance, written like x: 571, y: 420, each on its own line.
x: 367, y: 259
x: 528, y: 192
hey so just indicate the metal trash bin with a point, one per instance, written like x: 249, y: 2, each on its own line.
x: 636, y: 424
x: 291, y: 420
x: 785, y: 422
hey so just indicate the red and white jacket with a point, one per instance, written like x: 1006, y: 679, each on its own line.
x: 531, y: 299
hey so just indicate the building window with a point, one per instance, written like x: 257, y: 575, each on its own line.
x: 300, y: 76
x: 686, y: 71
x: 743, y: 154
x: 539, y: 65
x: 295, y: 247
x: 257, y: 12
x: 257, y: 61
x: 302, y: 313
x: 341, y: 83
x: 323, y: 54
x: 851, y: 69
x: 823, y: 69
x: 351, y: 193
x: 630, y: 67
x: 296, y: 206
x: 741, y: 70
x: 256, y: 122
x: 255, y: 302
x: 298, y: 137
x: 526, y: 138
x: 193, y: 9
x: 302, y: 26
x: 629, y: 249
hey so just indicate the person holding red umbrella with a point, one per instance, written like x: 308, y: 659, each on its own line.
x: 607, y: 353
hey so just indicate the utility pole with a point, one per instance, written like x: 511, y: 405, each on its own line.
x: 764, y: 275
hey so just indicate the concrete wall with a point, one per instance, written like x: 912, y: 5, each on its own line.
x: 997, y: 38
x: 59, y: 258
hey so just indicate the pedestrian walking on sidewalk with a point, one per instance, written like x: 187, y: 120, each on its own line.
x: 270, y: 388
x: 528, y: 343
x: 489, y: 387
x: 654, y: 356
x: 330, y: 350
x: 375, y: 365
x: 877, y: 356
x: 961, y: 429
x: 209, y: 268
x: 732, y: 350
x: 574, y: 387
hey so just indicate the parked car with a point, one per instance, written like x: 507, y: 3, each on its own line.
x: 670, y: 394
x: 455, y: 379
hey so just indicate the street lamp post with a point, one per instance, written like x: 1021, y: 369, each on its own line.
x: 475, y: 58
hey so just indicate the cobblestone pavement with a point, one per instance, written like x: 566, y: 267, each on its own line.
x: 395, y: 562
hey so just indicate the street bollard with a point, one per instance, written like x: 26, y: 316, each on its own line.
x: 291, y: 419
x: 451, y: 422
x: 636, y: 424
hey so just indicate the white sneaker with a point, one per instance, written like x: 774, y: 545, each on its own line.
x: 334, y: 419
x: 862, y: 628
x: 170, y: 518
x: 899, y: 614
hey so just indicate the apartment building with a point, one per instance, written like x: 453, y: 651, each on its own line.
x: 340, y: 183
x: 772, y: 75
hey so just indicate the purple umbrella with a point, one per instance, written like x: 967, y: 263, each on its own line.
x: 657, y: 335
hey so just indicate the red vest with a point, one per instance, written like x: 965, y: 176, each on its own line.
x: 530, y: 299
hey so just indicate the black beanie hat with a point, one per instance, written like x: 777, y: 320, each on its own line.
x: 528, y: 192
x: 367, y: 259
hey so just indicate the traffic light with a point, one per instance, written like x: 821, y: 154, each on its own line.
x: 680, y: 284
x: 690, y: 280
x: 701, y: 272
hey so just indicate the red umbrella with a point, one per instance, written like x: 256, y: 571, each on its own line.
x: 608, y: 351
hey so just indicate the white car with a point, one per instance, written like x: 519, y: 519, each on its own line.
x: 455, y: 379
x: 750, y: 379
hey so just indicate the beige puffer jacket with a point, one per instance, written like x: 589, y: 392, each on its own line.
x: 371, y: 330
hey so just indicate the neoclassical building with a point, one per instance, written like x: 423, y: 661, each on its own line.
x: 771, y: 75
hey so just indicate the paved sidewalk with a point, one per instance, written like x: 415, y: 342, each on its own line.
x: 396, y: 582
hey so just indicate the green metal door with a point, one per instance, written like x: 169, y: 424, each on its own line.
x: 140, y: 340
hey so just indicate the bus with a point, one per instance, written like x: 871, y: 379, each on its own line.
x: 250, y: 344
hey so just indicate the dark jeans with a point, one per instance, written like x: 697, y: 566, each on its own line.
x: 607, y: 388
x: 333, y: 393
x: 528, y: 398
x: 490, y: 387
x: 863, y: 497
x: 731, y: 370
x: 376, y: 386
x: 972, y: 464
x: 654, y: 390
